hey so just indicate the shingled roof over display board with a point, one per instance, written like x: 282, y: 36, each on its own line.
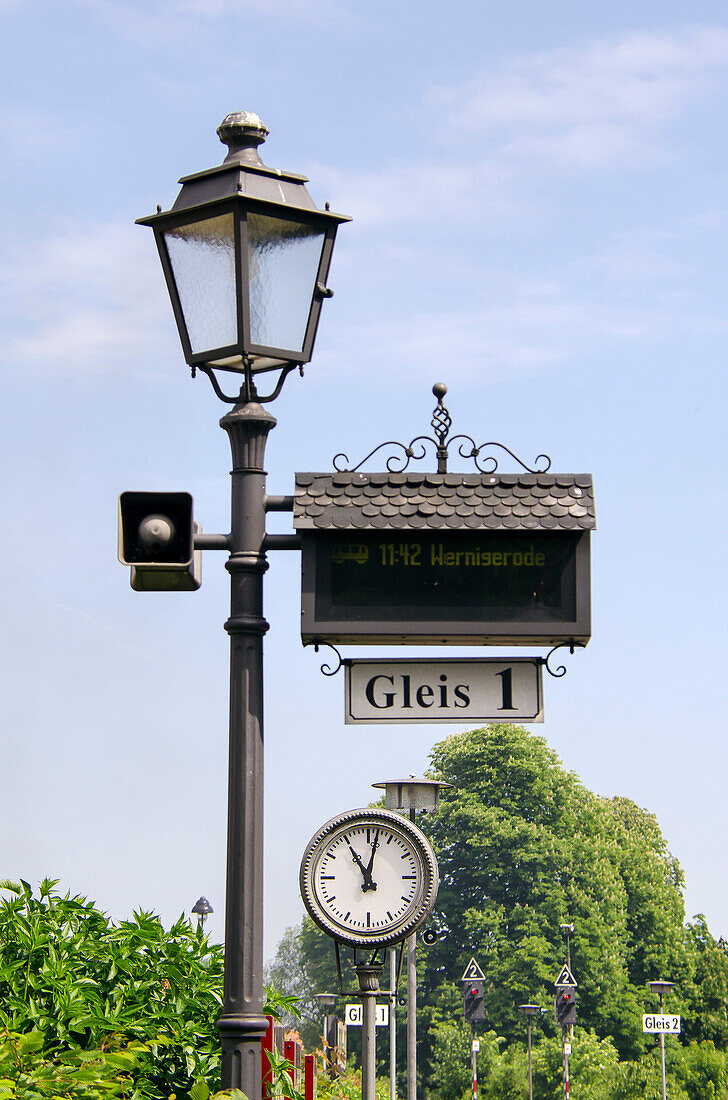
x: 496, y: 502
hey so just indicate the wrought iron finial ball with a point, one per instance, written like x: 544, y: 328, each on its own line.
x: 439, y: 390
x: 242, y: 129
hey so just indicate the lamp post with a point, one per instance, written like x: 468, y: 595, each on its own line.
x: 567, y: 930
x: 202, y: 909
x: 327, y: 1001
x: 660, y: 987
x: 529, y: 1011
x: 245, y: 254
x: 415, y: 795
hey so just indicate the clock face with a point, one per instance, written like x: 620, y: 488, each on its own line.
x: 369, y: 877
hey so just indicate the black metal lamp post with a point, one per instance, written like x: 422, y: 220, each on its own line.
x: 661, y: 988
x: 568, y: 931
x: 327, y: 1001
x: 529, y: 1011
x: 245, y: 254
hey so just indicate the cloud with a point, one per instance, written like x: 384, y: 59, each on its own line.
x: 641, y: 261
x: 412, y: 192
x: 588, y: 106
x: 298, y: 9
x: 529, y: 334
x: 87, y: 301
x: 157, y: 23
x: 27, y: 135
x: 602, y: 104
x: 633, y: 294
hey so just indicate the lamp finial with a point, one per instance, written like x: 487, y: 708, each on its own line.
x: 243, y: 132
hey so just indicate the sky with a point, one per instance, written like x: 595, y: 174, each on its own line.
x: 538, y: 193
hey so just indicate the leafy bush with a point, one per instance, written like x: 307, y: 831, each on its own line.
x: 86, y: 984
x: 25, y: 1074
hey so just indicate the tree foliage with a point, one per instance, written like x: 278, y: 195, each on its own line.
x: 523, y: 848
x: 84, y: 983
x: 304, y: 965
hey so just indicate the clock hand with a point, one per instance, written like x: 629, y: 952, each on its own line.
x: 375, y: 845
x: 367, y: 884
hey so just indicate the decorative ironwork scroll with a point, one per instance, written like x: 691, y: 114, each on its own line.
x: 325, y: 668
x: 248, y: 391
x: 416, y: 449
x: 561, y: 670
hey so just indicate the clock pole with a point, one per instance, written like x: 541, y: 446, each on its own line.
x: 412, y: 1004
x: 368, y: 975
x: 368, y: 888
x: 423, y: 795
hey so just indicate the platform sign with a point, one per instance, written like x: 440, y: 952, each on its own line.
x: 460, y: 690
x: 353, y: 1015
x: 464, y: 587
x: 659, y: 1023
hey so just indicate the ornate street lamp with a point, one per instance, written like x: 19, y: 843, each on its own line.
x: 246, y: 254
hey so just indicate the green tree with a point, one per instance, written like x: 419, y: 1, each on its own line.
x: 701, y: 1070
x: 304, y: 965
x: 524, y: 847
x: 705, y: 996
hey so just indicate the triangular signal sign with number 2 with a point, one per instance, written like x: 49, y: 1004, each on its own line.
x: 473, y: 972
x: 565, y: 978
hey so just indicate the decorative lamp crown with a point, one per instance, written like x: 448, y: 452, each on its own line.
x: 246, y: 254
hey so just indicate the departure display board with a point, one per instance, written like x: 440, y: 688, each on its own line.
x: 455, y: 586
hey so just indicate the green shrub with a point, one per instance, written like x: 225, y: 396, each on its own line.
x: 86, y: 984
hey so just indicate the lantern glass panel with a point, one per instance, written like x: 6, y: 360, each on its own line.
x: 283, y: 259
x: 202, y: 255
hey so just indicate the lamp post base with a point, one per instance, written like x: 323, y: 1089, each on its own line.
x: 240, y: 1040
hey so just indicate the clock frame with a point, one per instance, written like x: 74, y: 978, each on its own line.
x: 369, y: 878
